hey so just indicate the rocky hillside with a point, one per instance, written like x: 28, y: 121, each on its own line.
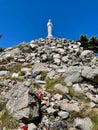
x: 49, y: 84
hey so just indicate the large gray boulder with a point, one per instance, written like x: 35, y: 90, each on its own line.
x: 83, y: 124
x: 73, y: 74
x: 90, y: 74
x: 22, y: 103
x: 87, y: 56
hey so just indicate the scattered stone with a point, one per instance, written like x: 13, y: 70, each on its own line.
x: 61, y: 59
x: 62, y: 88
x: 63, y: 114
x: 69, y: 106
x: 3, y: 73
x: 51, y: 110
x: 32, y: 126
x: 15, y: 75
x: 77, y: 87
x: 57, y: 96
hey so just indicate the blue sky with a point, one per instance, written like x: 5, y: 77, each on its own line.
x: 25, y: 20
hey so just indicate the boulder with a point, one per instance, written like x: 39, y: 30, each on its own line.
x: 69, y: 106
x: 87, y: 56
x: 90, y: 74
x: 83, y: 123
x: 73, y: 74
x: 62, y: 88
x: 22, y: 103
x: 63, y: 114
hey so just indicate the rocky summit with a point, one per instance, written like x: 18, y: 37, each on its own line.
x: 49, y: 84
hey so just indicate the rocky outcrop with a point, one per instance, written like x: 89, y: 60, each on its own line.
x: 66, y: 74
x: 22, y: 103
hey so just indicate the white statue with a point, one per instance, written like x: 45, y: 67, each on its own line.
x: 49, y: 27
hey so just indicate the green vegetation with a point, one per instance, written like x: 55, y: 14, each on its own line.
x: 22, y: 73
x: 89, y: 43
x: 16, y: 68
x: 2, y: 106
x: 82, y: 114
x: 2, y: 67
x: 0, y: 35
x: 43, y: 75
x: 9, y: 58
x: 20, y: 79
x: 51, y: 83
x: 94, y: 117
x: 8, y: 121
x: 78, y: 95
x: 1, y: 49
x: 38, y: 86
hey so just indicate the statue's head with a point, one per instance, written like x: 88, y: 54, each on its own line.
x: 50, y: 20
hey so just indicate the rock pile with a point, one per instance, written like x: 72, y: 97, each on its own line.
x: 66, y: 74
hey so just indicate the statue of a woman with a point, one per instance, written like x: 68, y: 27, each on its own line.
x: 49, y: 27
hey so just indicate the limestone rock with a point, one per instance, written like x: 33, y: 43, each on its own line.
x: 87, y: 56
x: 51, y: 110
x: 83, y: 124
x: 69, y: 106
x: 91, y: 74
x: 32, y: 126
x: 73, y: 74
x: 22, y: 103
x: 63, y: 114
x: 57, y: 96
x: 62, y: 88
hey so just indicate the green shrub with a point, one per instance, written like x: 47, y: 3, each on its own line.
x: 16, y: 68
x: 82, y: 114
x: 2, y: 68
x: 51, y: 83
x: 8, y: 121
x: 2, y: 106
x: 20, y: 79
x: 22, y: 73
x: 43, y: 75
x: 37, y: 85
x: 94, y: 117
x: 78, y: 95
x: 9, y: 58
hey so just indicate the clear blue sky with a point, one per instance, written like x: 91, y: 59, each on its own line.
x: 25, y: 20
